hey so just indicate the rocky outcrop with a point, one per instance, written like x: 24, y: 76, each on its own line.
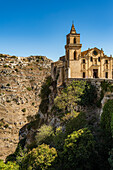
x: 20, y: 84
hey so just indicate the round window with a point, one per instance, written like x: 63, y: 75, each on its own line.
x: 95, y: 52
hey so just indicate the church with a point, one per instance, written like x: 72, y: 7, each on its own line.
x: 89, y: 64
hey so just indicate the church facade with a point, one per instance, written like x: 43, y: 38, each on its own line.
x: 89, y: 64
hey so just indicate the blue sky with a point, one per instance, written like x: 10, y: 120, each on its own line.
x: 39, y: 27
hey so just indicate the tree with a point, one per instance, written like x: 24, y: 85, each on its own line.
x: 9, y: 165
x: 110, y: 159
x: 107, y: 118
x: 70, y: 96
x: 78, y: 150
x: 41, y: 157
x: 43, y: 134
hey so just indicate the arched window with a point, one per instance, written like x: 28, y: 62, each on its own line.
x: 98, y: 59
x: 74, y: 40
x: 75, y: 55
x: 83, y: 60
x: 68, y: 55
x: 68, y: 41
x: 106, y: 61
x: 91, y: 59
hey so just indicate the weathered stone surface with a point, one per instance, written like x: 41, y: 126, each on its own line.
x: 20, y: 83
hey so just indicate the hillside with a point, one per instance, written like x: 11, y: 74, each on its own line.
x: 21, y: 79
x: 45, y: 126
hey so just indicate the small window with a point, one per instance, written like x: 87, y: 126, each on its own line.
x: 98, y: 59
x: 106, y: 61
x: 83, y: 60
x: 84, y: 75
x: 106, y: 75
x: 68, y: 55
x: 68, y: 41
x: 74, y: 40
x: 91, y: 59
x: 75, y: 55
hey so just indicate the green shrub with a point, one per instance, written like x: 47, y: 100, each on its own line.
x: 8, y: 165
x: 6, y: 126
x: 8, y: 84
x: 24, y: 110
x: 5, y: 66
x: 107, y: 118
x: 16, y: 70
x: 13, y: 56
x: 43, y: 134
x: 78, y: 150
x: 58, y: 138
x: 29, y: 88
x: 76, y: 122
x: 1, y: 55
x: 70, y: 96
x: 110, y: 159
x: 89, y: 96
x: 41, y: 157
x: 33, y: 103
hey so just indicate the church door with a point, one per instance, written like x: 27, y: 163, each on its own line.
x: 95, y: 73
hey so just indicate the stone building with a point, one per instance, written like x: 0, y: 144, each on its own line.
x: 89, y: 64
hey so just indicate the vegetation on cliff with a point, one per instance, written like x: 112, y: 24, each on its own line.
x: 79, y: 141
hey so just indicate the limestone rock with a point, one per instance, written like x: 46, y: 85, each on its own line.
x: 20, y: 84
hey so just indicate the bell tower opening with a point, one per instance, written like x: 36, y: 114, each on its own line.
x: 74, y: 41
x: 73, y: 45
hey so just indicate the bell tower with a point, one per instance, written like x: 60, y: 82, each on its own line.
x: 73, y: 46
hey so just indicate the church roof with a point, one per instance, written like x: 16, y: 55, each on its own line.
x: 85, y: 52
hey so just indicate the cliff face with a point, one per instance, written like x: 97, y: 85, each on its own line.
x: 20, y: 83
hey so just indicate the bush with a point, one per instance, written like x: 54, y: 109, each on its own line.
x: 6, y: 126
x: 24, y: 110
x: 29, y: 88
x: 43, y: 134
x: 33, y: 103
x: 5, y: 66
x: 70, y: 96
x: 110, y: 159
x: 9, y: 165
x: 41, y: 157
x: 58, y: 138
x: 89, y: 96
x: 78, y: 150
x: 16, y: 70
x: 107, y: 117
x: 8, y: 84
x: 76, y: 122
x: 13, y: 56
